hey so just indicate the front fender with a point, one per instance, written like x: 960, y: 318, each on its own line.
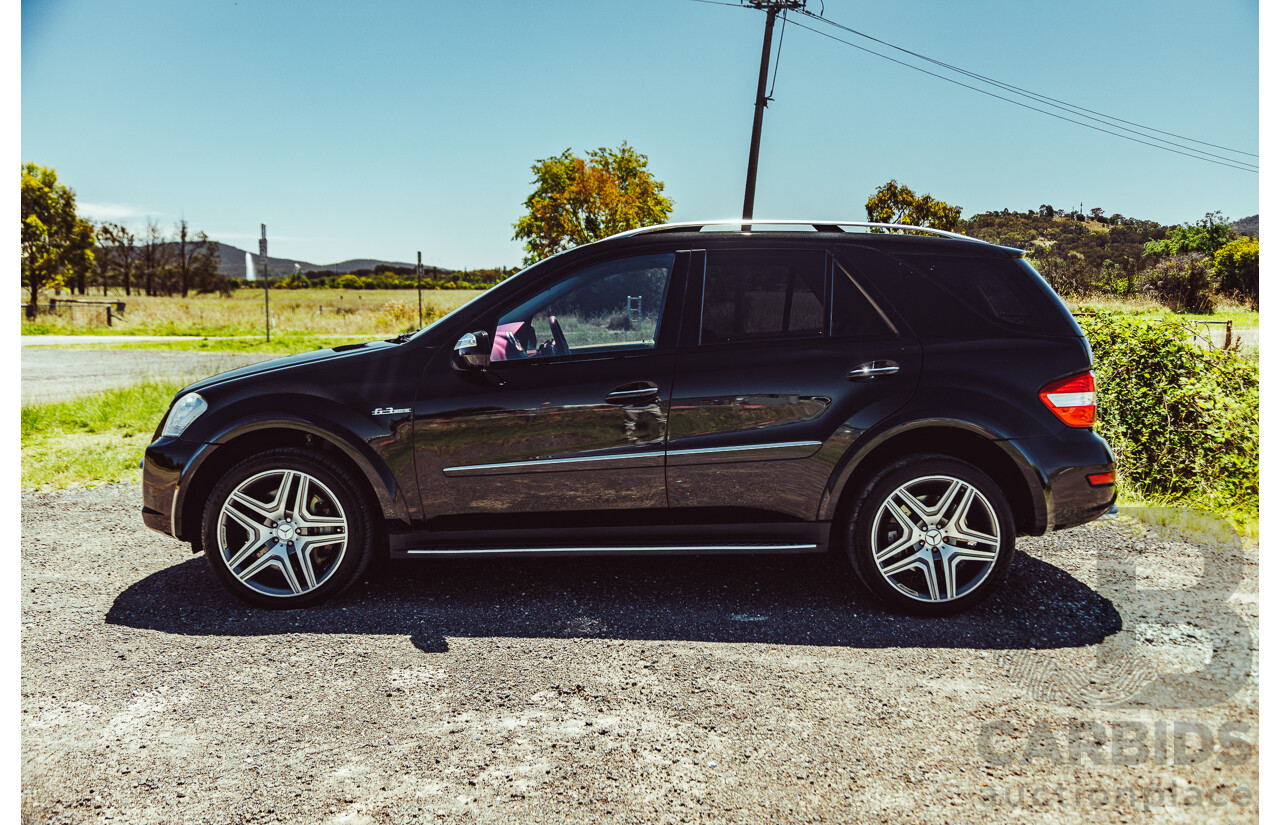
x: 380, y: 449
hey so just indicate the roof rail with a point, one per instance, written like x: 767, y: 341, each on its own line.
x: 820, y: 226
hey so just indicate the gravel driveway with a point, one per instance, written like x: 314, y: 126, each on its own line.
x: 720, y: 689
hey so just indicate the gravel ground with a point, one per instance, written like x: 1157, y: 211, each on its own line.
x: 52, y: 374
x: 743, y: 689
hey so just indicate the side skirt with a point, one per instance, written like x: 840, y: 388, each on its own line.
x: 624, y: 541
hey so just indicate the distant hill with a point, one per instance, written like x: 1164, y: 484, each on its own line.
x: 1246, y: 226
x: 231, y: 263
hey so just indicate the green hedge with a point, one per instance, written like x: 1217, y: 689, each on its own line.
x: 1182, y: 419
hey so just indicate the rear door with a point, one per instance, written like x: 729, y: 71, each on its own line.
x: 784, y: 359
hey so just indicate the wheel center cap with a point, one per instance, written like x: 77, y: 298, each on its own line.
x: 285, y: 531
x: 933, y: 538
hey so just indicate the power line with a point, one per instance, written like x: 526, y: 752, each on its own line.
x: 1232, y: 164
x: 1052, y: 101
x: 1070, y: 108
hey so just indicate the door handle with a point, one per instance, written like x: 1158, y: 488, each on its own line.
x: 632, y: 393
x: 873, y: 370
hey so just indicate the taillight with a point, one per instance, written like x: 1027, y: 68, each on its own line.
x: 1071, y: 399
x: 1102, y: 479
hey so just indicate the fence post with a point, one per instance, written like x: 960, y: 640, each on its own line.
x: 108, y: 315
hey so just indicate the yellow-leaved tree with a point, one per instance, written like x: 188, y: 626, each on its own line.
x: 580, y: 200
x: 894, y: 203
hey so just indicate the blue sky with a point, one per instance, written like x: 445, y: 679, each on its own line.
x: 378, y: 129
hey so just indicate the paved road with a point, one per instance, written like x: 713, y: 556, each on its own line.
x: 64, y: 340
x: 52, y: 374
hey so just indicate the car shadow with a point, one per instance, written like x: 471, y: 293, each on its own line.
x: 792, y: 600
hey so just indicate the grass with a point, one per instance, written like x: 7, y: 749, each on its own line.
x: 93, y: 440
x: 1241, y: 315
x: 356, y: 313
x: 1182, y: 521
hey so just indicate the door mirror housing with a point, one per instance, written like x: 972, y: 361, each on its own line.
x: 472, y: 351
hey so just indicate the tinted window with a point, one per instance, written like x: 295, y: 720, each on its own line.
x: 1005, y: 290
x: 766, y: 294
x: 852, y: 312
x: 607, y: 307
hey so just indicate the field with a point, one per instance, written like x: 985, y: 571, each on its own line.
x: 356, y: 313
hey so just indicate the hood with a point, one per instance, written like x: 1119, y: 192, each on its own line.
x: 291, y: 362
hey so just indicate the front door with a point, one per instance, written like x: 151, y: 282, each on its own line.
x: 570, y: 417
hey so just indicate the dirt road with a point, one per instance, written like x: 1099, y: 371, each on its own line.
x: 1115, y: 673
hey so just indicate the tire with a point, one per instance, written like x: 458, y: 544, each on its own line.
x: 943, y: 554
x: 272, y: 553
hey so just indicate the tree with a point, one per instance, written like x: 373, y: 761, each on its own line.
x: 55, y: 243
x: 154, y: 256
x: 1236, y: 266
x: 203, y: 266
x: 120, y: 252
x: 196, y: 262
x: 894, y: 203
x: 578, y: 200
x: 80, y: 254
x: 1207, y: 235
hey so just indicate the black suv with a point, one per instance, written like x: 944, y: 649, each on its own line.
x: 910, y: 397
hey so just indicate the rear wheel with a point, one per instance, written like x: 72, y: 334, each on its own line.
x: 287, y: 528
x: 931, y: 535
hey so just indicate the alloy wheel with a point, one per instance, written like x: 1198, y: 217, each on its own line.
x: 935, y: 539
x: 282, y: 533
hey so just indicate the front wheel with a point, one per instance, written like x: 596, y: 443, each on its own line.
x: 287, y: 528
x: 931, y: 535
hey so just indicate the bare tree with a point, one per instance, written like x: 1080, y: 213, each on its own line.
x: 184, y: 260
x: 154, y: 257
x: 120, y: 254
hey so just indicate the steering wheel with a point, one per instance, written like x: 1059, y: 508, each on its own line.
x: 562, y: 346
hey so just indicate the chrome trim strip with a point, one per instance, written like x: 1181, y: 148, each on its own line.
x: 787, y: 445
x: 481, y: 551
x: 623, y: 459
x: 482, y: 469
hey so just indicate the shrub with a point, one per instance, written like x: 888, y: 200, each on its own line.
x: 350, y: 281
x: 1181, y: 282
x: 1235, y: 267
x: 1182, y: 420
x: 1070, y: 275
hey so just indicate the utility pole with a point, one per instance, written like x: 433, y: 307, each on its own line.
x: 771, y: 9
x: 419, y: 271
x: 266, y: 280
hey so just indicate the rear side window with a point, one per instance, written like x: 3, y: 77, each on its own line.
x: 853, y: 315
x: 997, y: 289
x: 762, y: 295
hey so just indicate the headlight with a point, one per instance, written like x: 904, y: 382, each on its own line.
x: 186, y: 410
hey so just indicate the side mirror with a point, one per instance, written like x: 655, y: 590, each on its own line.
x: 472, y: 351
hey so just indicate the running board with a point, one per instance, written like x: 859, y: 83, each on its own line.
x: 616, y: 550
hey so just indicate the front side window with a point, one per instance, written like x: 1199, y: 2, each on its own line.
x: 608, y: 307
x: 762, y: 295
